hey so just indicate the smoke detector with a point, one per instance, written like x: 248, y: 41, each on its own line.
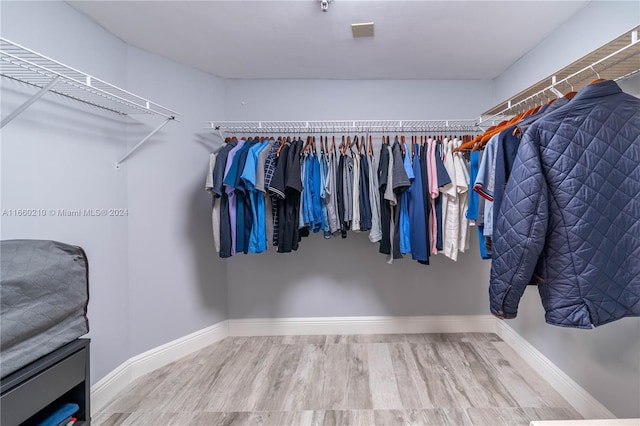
x: 364, y: 29
x: 324, y: 4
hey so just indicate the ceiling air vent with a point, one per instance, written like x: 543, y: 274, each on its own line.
x: 364, y: 29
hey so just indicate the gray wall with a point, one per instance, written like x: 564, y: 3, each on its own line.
x: 154, y: 276
x: 593, y: 26
x: 61, y: 155
x: 349, y: 277
x: 177, y: 282
x: 356, y: 99
x: 605, y: 361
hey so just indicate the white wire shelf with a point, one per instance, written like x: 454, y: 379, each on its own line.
x: 616, y: 60
x: 346, y: 126
x: 25, y: 65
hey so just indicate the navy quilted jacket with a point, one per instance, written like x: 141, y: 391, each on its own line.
x: 570, y: 218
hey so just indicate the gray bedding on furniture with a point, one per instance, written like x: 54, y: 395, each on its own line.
x: 44, y: 293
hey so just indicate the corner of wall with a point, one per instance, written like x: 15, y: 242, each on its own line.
x: 597, y: 23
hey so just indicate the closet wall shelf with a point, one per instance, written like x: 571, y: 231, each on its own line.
x: 345, y: 126
x: 618, y: 59
x: 24, y: 65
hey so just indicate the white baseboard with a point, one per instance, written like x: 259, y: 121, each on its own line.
x: 113, y: 383
x: 580, y: 399
x: 361, y: 325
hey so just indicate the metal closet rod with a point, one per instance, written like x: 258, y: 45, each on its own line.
x: 345, y: 126
x: 552, y: 87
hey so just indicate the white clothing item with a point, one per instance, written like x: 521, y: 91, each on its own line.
x: 208, y: 184
x: 215, y: 208
x: 462, y: 185
x: 450, y: 205
x: 355, y: 222
x: 375, y: 234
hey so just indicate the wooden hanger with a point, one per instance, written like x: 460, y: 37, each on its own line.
x: 370, y: 151
x: 333, y: 144
x: 307, y: 145
x: 282, y: 144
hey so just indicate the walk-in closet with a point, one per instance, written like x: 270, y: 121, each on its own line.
x: 320, y: 212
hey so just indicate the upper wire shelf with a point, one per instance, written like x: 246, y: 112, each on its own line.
x: 25, y: 65
x: 616, y: 60
x: 345, y: 126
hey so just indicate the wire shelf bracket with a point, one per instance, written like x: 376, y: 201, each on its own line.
x: 139, y: 144
x: 29, y: 102
x: 27, y: 66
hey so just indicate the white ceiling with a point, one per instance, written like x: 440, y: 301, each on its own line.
x: 295, y: 39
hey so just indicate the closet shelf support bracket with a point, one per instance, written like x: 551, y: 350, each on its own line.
x: 146, y: 138
x: 29, y: 102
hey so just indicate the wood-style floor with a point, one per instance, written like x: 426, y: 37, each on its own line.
x: 400, y: 379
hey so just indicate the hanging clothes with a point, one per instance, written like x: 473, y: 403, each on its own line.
x: 324, y: 198
x: 244, y: 218
x: 385, y: 205
x: 261, y: 185
x: 462, y: 179
x: 268, y: 192
x: 375, y: 235
x: 570, y: 216
x: 405, y: 225
x: 347, y: 190
x: 256, y: 243
x: 229, y: 235
x: 270, y: 167
x: 330, y: 194
x: 366, y: 212
x: 449, y: 194
x: 355, y: 223
x: 417, y: 213
x: 215, y: 205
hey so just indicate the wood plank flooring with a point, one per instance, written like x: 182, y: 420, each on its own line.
x: 403, y: 379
